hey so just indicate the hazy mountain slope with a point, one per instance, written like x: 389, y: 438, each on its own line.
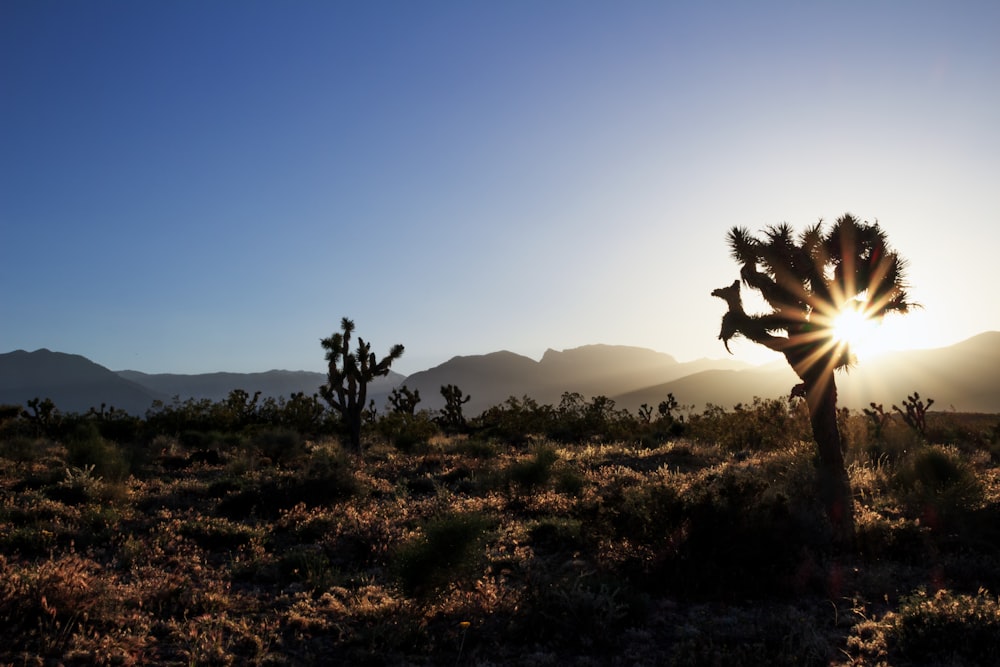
x: 719, y: 387
x: 74, y: 383
x: 964, y: 377
x: 275, y: 383
x: 216, y: 386
x: 591, y: 370
x: 489, y: 379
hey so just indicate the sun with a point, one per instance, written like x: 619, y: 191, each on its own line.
x: 854, y: 327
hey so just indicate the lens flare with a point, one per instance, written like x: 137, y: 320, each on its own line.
x: 854, y: 327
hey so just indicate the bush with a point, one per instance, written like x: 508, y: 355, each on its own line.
x: 450, y: 550
x: 534, y: 471
x: 764, y: 425
x: 743, y: 538
x: 935, y: 481
x: 407, y: 432
x: 281, y: 445
x: 85, y: 447
x: 947, y: 628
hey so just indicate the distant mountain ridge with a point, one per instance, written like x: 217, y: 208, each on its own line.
x: 964, y: 377
x: 76, y: 384
x: 590, y: 370
x: 73, y: 382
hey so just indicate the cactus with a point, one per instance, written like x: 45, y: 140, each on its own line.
x: 348, y: 375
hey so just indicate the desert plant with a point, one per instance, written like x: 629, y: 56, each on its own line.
x: 935, y: 481
x: 43, y: 415
x: 348, y: 375
x: 808, y: 282
x: 451, y: 418
x: 947, y: 627
x: 914, y: 413
x: 280, y: 445
x: 86, y: 447
x: 403, y: 400
x: 407, y: 431
x: 449, y: 551
x: 535, y: 470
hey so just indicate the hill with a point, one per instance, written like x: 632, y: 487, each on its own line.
x: 964, y: 377
x: 590, y: 370
x: 74, y: 383
x: 273, y: 383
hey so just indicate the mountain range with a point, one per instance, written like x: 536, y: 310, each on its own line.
x: 964, y: 377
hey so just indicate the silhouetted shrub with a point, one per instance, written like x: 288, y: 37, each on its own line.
x: 556, y: 534
x: 329, y: 477
x: 309, y: 566
x: 449, y: 550
x: 765, y: 424
x: 475, y: 448
x: 407, y: 432
x: 281, y: 445
x: 935, y: 481
x: 515, y: 420
x: 534, y: 471
x: 947, y: 628
x: 743, y: 538
x: 85, y: 447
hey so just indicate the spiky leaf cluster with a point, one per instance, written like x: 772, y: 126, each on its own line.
x: 806, y: 279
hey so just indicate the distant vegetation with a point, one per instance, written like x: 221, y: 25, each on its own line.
x: 250, y: 531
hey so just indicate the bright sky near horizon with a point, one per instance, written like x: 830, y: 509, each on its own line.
x: 210, y: 186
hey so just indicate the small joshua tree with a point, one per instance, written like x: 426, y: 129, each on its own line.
x: 451, y: 415
x: 915, y: 413
x: 348, y: 375
x: 808, y: 280
x: 404, y: 401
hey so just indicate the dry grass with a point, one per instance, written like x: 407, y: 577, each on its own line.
x: 684, y: 553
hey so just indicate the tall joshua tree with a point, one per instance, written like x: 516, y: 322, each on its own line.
x: 348, y: 375
x: 809, y: 280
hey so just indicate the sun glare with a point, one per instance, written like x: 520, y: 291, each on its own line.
x: 856, y: 329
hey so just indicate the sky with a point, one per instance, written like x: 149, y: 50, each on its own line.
x: 189, y: 187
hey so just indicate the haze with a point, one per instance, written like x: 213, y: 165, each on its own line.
x: 192, y: 187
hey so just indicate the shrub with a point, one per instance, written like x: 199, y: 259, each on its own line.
x: 407, y: 432
x: 450, y: 550
x: 474, y: 448
x: 765, y: 424
x: 935, y: 481
x: 85, y: 447
x: 534, y: 471
x: 281, y: 445
x: 309, y: 566
x: 329, y: 477
x: 20, y: 448
x: 743, y: 538
x: 947, y: 628
x: 557, y: 534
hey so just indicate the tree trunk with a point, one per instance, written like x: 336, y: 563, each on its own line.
x: 835, y: 485
x: 354, y: 428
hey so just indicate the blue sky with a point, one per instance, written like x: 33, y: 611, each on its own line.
x: 200, y: 186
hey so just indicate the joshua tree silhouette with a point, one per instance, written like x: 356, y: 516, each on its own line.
x: 348, y: 375
x: 807, y: 281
